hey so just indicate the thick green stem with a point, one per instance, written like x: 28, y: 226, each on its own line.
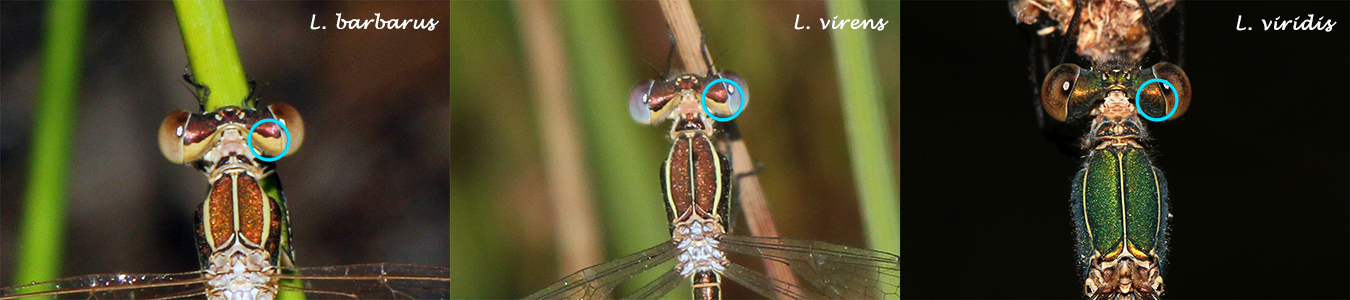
x: 42, y: 235
x: 865, y: 125
x: 211, y: 52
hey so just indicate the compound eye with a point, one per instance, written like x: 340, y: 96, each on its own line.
x: 1057, y: 88
x: 1173, y: 74
x: 271, y: 141
x: 734, y: 95
x: 638, y: 106
x: 183, y: 136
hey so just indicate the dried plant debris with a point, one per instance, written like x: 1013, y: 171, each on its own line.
x: 1107, y: 29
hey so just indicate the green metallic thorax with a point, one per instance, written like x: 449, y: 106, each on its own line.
x: 1120, y: 197
x: 1119, y: 201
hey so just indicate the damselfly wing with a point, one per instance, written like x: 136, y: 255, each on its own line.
x: 368, y: 281
x: 832, y: 271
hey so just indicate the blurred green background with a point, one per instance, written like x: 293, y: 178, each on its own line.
x: 502, y: 235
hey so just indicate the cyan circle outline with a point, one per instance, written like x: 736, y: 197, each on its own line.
x: 744, y: 102
x: 1176, y: 100
x: 283, y: 129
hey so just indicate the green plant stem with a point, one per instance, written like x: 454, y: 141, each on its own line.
x: 865, y: 126
x: 211, y: 51
x: 43, y: 226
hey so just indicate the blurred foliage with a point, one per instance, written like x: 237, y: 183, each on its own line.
x: 45, y: 203
x: 865, y: 124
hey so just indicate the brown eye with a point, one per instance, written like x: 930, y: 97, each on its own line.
x: 183, y: 136
x: 270, y: 140
x: 1173, y: 74
x: 1057, y: 88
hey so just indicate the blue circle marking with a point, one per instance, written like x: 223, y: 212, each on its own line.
x: 283, y: 129
x: 739, y: 91
x: 1176, y: 100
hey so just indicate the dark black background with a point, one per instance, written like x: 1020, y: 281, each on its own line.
x: 1259, y: 166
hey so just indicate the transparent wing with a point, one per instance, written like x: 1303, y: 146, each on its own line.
x: 659, y: 287
x: 368, y: 281
x: 114, y: 286
x: 836, y: 271
x: 768, y: 286
x: 597, y: 281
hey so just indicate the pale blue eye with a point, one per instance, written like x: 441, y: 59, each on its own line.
x: 734, y: 94
x: 638, y: 104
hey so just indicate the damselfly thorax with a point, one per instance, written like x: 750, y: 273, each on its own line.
x: 680, y: 99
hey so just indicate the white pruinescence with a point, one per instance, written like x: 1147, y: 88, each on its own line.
x: 698, y: 250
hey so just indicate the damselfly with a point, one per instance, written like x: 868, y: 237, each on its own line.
x: 243, y: 227
x: 696, y: 188
x: 1119, y: 199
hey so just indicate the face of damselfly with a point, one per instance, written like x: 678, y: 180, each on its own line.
x: 680, y: 98
x: 1069, y: 91
x: 214, y: 138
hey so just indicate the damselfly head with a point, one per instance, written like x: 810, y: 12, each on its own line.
x: 651, y: 101
x: 186, y: 137
x: 1070, y: 91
